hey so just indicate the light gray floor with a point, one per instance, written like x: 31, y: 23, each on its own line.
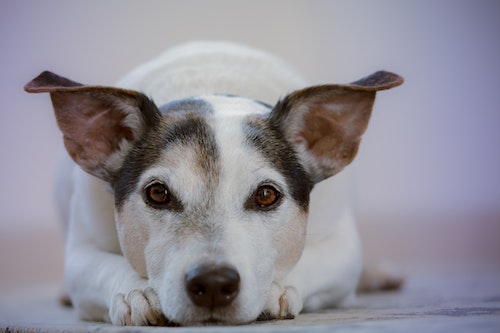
x: 467, y: 302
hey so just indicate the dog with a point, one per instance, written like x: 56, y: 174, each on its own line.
x: 188, y: 189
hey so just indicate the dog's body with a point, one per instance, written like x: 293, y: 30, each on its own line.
x: 207, y: 218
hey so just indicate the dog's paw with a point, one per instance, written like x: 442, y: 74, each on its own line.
x: 380, y: 276
x: 282, y: 303
x: 137, y: 308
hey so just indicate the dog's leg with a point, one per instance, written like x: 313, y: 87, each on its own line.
x: 329, y: 269
x: 100, y: 125
x: 102, y: 284
x: 112, y: 291
x: 326, y: 274
x: 330, y: 272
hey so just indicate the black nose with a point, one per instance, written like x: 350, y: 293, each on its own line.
x: 212, y: 286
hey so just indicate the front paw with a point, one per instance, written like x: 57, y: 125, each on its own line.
x: 282, y: 303
x: 137, y: 308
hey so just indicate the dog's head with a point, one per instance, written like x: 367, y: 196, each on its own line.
x: 212, y: 192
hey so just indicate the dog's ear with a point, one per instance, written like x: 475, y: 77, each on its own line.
x: 98, y: 123
x: 325, y: 123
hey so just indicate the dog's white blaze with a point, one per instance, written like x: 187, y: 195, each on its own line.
x: 246, y: 242
x: 251, y: 235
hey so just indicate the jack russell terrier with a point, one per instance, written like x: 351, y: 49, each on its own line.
x: 190, y: 203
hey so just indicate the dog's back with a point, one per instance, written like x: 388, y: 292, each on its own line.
x: 200, y: 68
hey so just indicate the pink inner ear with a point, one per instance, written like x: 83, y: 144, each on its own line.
x: 327, y: 121
x: 93, y: 128
x: 99, y: 136
x: 325, y: 138
x: 332, y: 128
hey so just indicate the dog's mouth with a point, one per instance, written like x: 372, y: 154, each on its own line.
x: 213, y: 320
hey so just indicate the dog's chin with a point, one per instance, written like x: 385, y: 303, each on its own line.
x: 241, y: 311
x: 214, y: 319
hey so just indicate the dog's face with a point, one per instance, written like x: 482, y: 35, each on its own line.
x: 215, y: 188
x: 212, y: 192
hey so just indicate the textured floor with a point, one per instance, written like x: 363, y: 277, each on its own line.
x: 468, y: 302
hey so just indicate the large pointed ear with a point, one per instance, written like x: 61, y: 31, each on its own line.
x: 325, y: 123
x: 98, y: 123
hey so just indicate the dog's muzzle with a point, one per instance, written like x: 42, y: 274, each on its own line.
x: 212, y: 286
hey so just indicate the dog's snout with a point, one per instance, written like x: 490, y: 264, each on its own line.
x: 212, y: 286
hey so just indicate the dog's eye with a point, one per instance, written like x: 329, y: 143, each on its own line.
x: 266, y: 197
x: 158, y: 196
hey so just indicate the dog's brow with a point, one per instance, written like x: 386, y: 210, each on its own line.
x: 190, y: 129
x: 193, y: 105
x: 267, y: 140
x: 256, y: 170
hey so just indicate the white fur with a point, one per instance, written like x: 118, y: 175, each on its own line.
x: 203, y: 67
x: 104, y: 285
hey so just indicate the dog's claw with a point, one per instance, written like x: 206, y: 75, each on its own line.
x: 137, y: 308
x: 283, y: 303
x: 285, y: 312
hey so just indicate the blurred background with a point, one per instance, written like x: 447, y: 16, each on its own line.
x: 427, y: 175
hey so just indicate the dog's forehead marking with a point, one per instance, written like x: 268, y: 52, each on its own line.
x: 236, y: 164
x: 230, y: 139
x: 268, y: 139
x: 184, y: 123
x: 244, y: 126
x: 179, y: 168
x: 193, y: 105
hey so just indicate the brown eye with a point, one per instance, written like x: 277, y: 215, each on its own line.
x: 157, y: 195
x: 266, y: 197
